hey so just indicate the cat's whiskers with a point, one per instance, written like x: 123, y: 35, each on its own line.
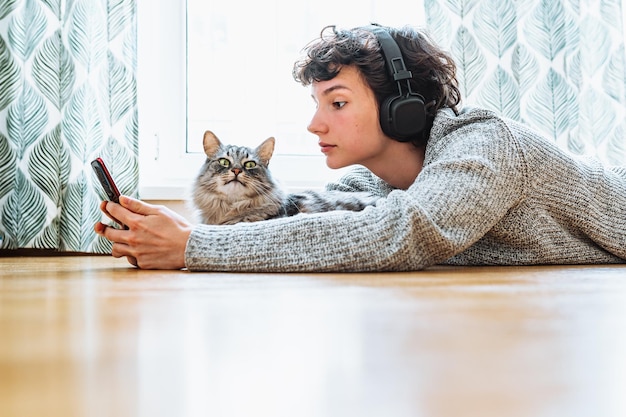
x: 270, y: 193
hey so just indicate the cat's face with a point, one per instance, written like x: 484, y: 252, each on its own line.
x: 236, y: 171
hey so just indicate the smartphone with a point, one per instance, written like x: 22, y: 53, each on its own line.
x: 106, y: 180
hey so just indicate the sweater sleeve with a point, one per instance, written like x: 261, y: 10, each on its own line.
x: 360, y: 179
x: 472, y: 176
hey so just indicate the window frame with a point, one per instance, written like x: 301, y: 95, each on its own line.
x: 166, y: 169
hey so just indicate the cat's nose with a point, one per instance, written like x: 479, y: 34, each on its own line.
x: 236, y: 171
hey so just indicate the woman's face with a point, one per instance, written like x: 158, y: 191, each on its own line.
x: 346, y: 120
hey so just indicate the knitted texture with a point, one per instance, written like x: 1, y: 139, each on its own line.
x: 491, y: 192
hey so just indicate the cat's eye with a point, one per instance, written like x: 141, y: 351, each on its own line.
x: 224, y: 162
x: 249, y: 164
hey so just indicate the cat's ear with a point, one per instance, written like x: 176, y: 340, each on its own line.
x: 265, y: 150
x: 211, y: 143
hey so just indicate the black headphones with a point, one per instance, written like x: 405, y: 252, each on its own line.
x: 402, y: 116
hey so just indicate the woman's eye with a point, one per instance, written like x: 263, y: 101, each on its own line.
x: 339, y: 104
x: 249, y: 164
x: 224, y: 162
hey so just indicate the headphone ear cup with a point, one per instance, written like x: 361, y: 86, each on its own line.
x: 386, y: 119
x: 403, y: 117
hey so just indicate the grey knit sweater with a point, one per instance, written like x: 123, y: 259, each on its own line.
x: 491, y: 192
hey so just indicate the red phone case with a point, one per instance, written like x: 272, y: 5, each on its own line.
x: 106, y: 180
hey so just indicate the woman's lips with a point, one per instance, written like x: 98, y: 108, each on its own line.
x: 326, y: 147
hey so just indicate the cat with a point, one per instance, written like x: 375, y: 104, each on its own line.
x: 235, y: 185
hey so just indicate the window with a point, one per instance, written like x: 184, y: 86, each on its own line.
x: 215, y: 67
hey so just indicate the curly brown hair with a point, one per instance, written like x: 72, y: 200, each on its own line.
x: 433, y: 70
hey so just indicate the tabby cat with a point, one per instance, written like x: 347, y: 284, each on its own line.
x: 235, y: 185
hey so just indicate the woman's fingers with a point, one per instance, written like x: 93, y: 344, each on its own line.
x: 138, y: 206
x: 103, y: 208
x: 118, y: 249
x: 156, y: 238
x: 111, y: 233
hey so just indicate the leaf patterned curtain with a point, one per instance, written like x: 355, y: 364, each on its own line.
x: 557, y: 65
x: 67, y: 95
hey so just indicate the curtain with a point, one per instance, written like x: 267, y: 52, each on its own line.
x: 557, y: 65
x: 67, y: 95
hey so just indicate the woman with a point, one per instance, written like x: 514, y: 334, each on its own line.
x: 461, y: 187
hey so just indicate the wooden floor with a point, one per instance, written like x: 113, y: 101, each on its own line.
x: 90, y: 336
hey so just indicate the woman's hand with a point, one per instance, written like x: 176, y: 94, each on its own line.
x: 156, y: 237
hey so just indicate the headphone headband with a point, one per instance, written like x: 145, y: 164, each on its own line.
x: 402, y: 117
x: 392, y: 55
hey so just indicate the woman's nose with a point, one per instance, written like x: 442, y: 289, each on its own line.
x: 316, y: 125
